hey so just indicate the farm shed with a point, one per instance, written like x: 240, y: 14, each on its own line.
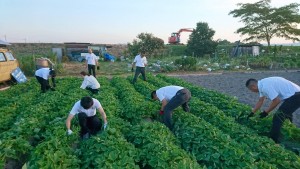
x: 77, y: 51
x: 74, y: 50
x: 245, y: 49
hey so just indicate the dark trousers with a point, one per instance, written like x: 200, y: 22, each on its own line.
x: 285, y: 111
x: 94, y: 91
x: 138, y: 71
x: 44, y: 84
x: 92, y: 69
x: 181, y: 98
x: 89, y: 124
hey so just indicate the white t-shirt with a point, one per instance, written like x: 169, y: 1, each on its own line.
x: 140, y: 61
x: 77, y: 108
x: 90, y: 81
x: 272, y: 87
x: 91, y: 58
x: 167, y: 92
x: 43, y: 73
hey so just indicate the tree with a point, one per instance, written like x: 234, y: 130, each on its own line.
x: 223, y: 42
x: 146, y: 42
x: 200, y: 41
x: 262, y: 22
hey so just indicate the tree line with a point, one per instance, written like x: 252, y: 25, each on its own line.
x: 262, y: 22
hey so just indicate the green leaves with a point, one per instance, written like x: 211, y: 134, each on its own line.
x: 221, y: 112
x: 158, y: 147
x: 263, y: 22
x: 201, y: 42
x: 209, y: 135
x: 146, y: 42
x: 108, y: 149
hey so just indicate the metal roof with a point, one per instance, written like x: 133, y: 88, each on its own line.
x: 4, y: 43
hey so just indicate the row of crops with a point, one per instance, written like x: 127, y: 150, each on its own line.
x: 215, y: 134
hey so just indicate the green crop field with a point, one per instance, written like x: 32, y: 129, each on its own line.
x: 215, y: 134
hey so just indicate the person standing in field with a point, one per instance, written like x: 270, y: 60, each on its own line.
x: 140, y: 62
x: 89, y: 122
x: 171, y: 97
x: 42, y: 75
x: 90, y: 83
x: 91, y: 62
x: 278, y: 90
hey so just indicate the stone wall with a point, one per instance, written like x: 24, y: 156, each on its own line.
x: 44, y: 49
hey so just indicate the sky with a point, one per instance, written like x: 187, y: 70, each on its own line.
x: 117, y: 21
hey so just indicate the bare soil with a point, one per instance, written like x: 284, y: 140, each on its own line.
x: 233, y: 84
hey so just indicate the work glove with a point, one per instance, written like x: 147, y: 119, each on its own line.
x: 161, y: 112
x: 69, y: 132
x: 132, y: 69
x: 250, y: 115
x: 263, y: 114
x: 105, y: 126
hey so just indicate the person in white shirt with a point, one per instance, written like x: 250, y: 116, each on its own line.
x: 278, y: 90
x: 89, y: 122
x: 42, y: 75
x: 91, y: 62
x: 171, y: 97
x: 90, y: 83
x: 140, y: 62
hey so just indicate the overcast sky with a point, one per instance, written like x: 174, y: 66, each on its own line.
x: 116, y: 21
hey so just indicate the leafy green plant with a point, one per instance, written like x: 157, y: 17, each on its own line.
x: 186, y: 63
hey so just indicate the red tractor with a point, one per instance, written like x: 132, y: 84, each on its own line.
x: 175, y: 37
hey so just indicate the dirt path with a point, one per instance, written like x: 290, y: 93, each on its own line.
x: 234, y: 84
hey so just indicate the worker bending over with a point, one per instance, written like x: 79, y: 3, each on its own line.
x: 42, y: 75
x: 89, y: 83
x: 171, y: 97
x: 278, y: 90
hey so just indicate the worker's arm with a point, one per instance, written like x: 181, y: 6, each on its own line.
x: 103, y: 115
x: 84, y: 83
x: 145, y: 62
x: 259, y: 103
x: 164, y: 102
x: 96, y: 61
x: 68, y: 121
x: 273, y: 105
x: 133, y: 64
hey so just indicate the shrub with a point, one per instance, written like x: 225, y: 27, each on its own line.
x: 27, y: 65
x: 186, y: 63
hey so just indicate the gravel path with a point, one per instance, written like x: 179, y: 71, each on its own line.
x: 233, y: 84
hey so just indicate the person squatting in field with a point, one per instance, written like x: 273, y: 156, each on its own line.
x: 89, y: 122
x: 171, y: 97
x: 278, y: 90
x: 91, y: 62
x: 42, y: 75
x: 89, y: 83
x: 140, y: 62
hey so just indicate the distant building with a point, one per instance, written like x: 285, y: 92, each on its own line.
x: 74, y: 50
x: 77, y: 51
x: 245, y: 49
